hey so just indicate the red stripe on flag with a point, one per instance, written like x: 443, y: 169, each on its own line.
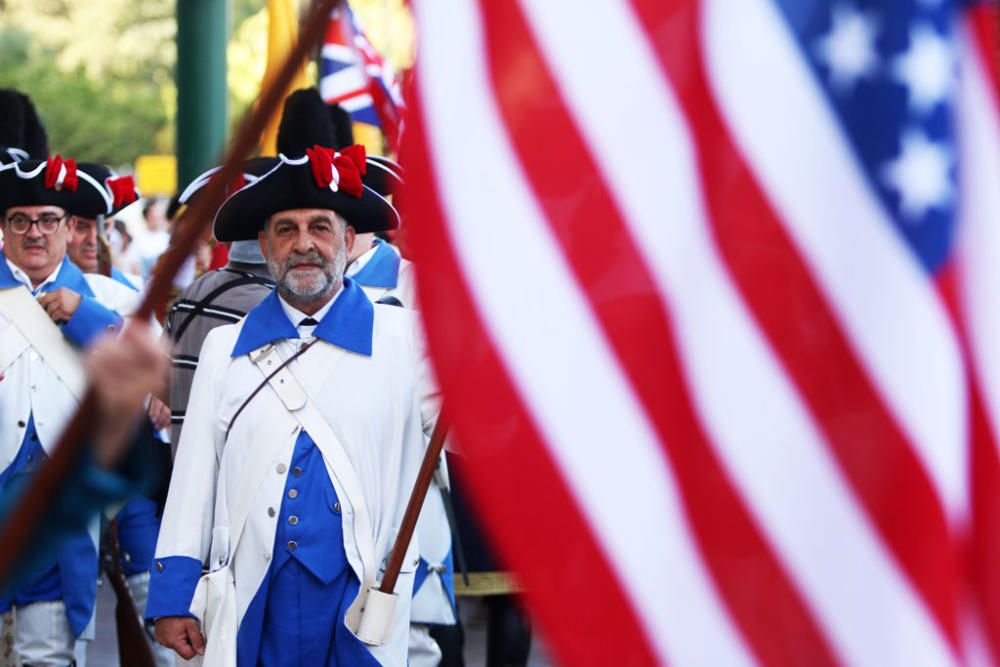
x: 556, y: 161
x: 568, y: 581
x: 335, y: 32
x: 780, y: 290
x: 984, y: 554
x: 984, y: 477
x: 348, y: 95
x: 984, y: 23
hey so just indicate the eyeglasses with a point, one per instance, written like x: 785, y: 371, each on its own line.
x: 48, y: 223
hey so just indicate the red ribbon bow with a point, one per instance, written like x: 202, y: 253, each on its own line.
x: 349, y: 165
x: 122, y: 190
x: 56, y: 177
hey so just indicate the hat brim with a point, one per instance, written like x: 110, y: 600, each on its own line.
x: 288, y: 186
x: 23, y: 184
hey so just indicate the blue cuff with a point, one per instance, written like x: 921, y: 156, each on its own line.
x: 90, y: 320
x: 171, y: 586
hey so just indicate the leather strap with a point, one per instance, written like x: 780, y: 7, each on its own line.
x: 45, y: 337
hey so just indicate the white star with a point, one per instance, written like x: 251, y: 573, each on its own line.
x: 926, y: 68
x: 849, y: 47
x: 920, y: 174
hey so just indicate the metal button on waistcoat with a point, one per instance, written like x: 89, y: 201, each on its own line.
x: 282, y: 468
x: 293, y: 493
x: 159, y: 566
x: 270, y: 511
x: 296, y: 471
x: 336, y: 508
x: 292, y: 545
x: 294, y: 520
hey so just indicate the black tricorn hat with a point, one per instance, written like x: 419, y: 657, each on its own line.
x: 20, y: 126
x: 322, y: 178
x: 250, y: 171
x: 122, y: 189
x: 80, y: 189
x: 307, y: 121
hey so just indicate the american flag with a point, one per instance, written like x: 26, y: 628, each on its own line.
x: 353, y: 75
x: 713, y: 291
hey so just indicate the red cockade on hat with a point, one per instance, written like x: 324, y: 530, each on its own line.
x: 122, y: 190
x: 60, y: 173
x: 339, y: 170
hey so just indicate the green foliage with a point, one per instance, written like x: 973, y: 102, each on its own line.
x: 110, y: 122
x: 99, y: 71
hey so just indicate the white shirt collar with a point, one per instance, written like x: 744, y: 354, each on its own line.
x: 22, y: 277
x: 360, y: 262
x: 295, y: 315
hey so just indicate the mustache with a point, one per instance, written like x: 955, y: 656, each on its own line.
x: 34, y: 243
x: 311, y: 257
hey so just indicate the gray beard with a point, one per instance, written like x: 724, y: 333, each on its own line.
x: 331, y: 275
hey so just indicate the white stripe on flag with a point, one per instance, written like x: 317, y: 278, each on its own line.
x: 884, y: 299
x: 495, y: 223
x: 979, y: 219
x: 340, y: 52
x: 761, y: 430
x: 344, y: 81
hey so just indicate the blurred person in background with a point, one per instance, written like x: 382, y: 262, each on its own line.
x: 153, y: 237
x: 124, y: 255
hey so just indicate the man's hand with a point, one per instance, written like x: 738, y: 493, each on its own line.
x: 181, y: 634
x: 159, y: 413
x: 123, y: 371
x: 60, y: 304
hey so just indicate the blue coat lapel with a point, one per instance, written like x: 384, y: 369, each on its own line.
x: 348, y: 324
x: 69, y: 276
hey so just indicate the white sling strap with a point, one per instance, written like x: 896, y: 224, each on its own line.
x: 297, y: 402
x: 38, y: 330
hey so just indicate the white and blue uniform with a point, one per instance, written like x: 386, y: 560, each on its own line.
x: 301, y: 562
x: 36, y: 406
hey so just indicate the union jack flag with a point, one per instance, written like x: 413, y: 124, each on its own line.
x: 353, y: 75
x: 713, y: 292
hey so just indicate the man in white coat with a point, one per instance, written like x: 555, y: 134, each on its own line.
x: 292, y: 476
x: 49, y: 310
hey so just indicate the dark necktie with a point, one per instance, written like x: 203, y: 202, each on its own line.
x: 308, y: 322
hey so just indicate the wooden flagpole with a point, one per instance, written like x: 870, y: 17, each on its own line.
x: 416, y: 502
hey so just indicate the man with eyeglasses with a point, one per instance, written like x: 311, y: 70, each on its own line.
x: 43, y: 378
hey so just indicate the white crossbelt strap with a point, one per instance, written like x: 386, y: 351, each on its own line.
x: 295, y: 399
x: 37, y: 329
